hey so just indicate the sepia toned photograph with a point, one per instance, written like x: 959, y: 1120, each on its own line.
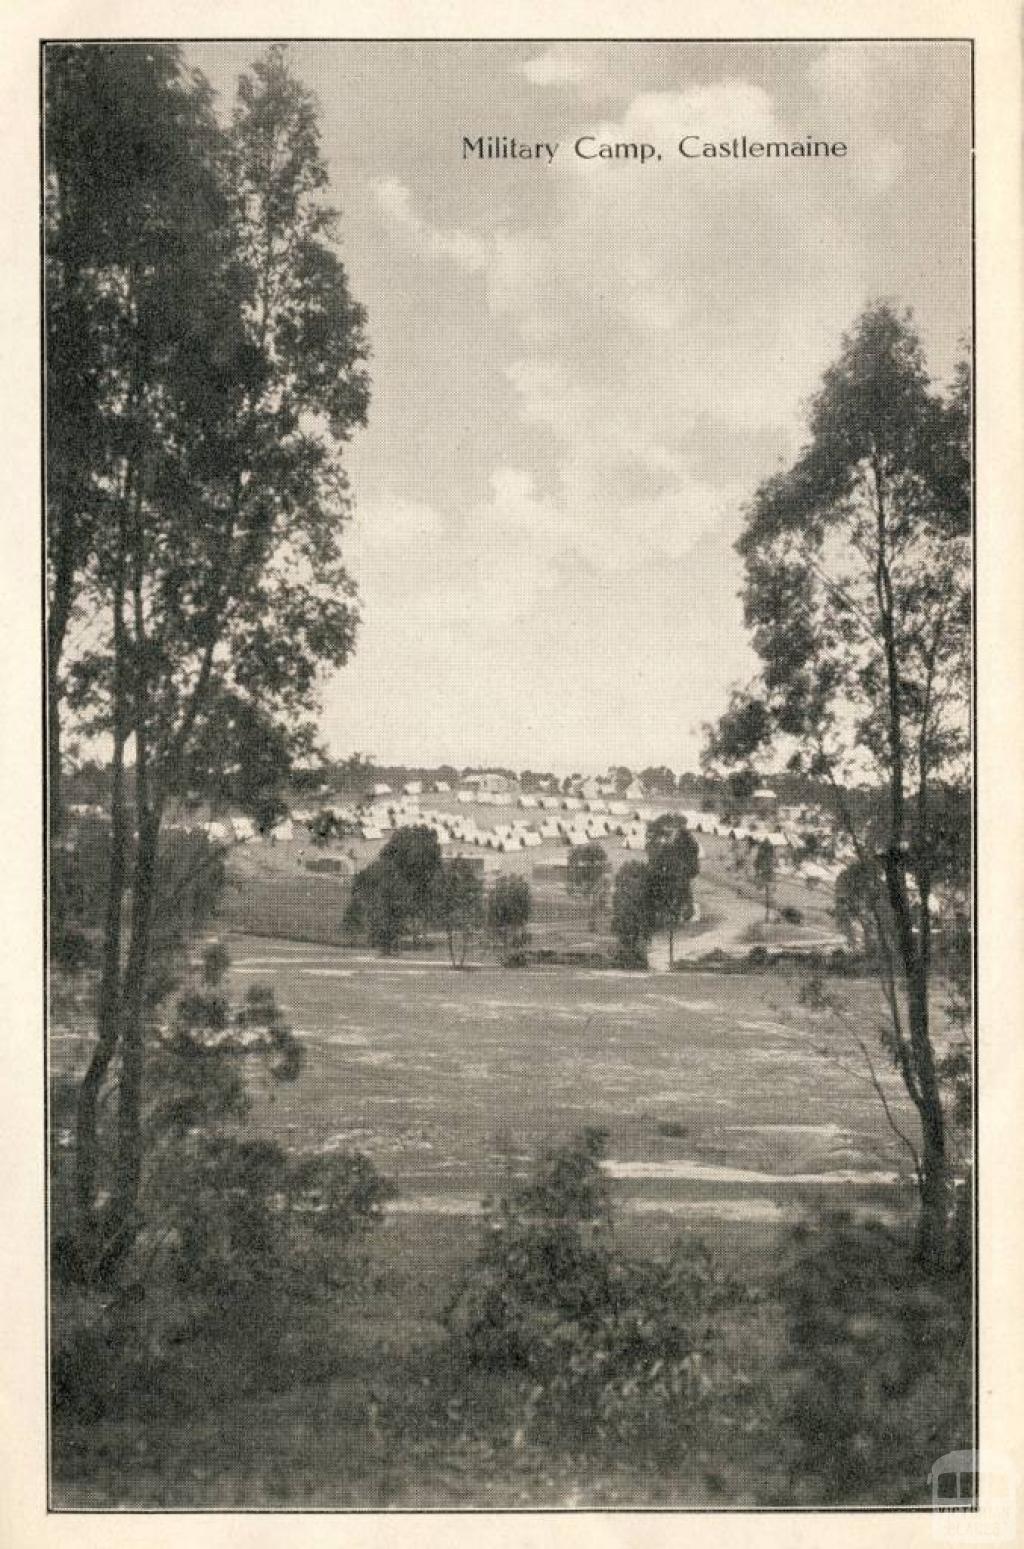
x: 509, y: 775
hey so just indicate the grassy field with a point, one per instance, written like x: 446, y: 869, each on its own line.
x: 718, y: 1099
x: 703, y: 1081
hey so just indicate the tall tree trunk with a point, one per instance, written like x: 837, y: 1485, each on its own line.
x: 148, y: 813
x: 108, y: 1008
x: 913, y: 953
x: 934, y: 1180
x: 123, y: 1213
x: 108, y: 1018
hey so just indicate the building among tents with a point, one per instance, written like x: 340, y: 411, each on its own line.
x: 497, y: 784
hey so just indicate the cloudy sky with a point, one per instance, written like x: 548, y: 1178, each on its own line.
x: 582, y: 370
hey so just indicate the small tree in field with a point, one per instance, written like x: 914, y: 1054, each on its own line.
x: 764, y: 874
x: 321, y: 827
x: 396, y: 892
x: 673, y: 860
x: 458, y: 906
x: 586, y: 877
x: 509, y: 907
x: 633, y: 913
x: 413, y: 855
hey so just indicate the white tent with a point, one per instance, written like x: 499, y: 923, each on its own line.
x: 413, y: 788
x: 242, y: 828
x: 532, y: 839
x: 284, y: 831
x: 465, y: 796
x: 528, y: 801
x: 382, y: 790
x: 371, y: 831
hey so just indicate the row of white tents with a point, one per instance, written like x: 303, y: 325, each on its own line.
x: 532, y: 803
x: 576, y: 823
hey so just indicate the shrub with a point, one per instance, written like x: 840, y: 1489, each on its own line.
x: 878, y: 1363
x: 758, y: 957
x: 234, y: 1289
x: 231, y: 1278
x: 610, y: 1350
x: 791, y: 915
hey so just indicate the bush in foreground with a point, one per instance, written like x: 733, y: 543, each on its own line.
x: 878, y: 1371
x: 239, y: 1251
x: 612, y: 1351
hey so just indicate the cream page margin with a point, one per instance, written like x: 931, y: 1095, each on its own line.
x: 995, y: 27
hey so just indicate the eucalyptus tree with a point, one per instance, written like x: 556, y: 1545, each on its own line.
x: 216, y: 579
x: 858, y: 597
x: 134, y: 216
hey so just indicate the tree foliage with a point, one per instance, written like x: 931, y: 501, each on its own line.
x: 658, y: 780
x: 396, y: 892
x: 458, y: 906
x: 673, y: 860
x: 509, y: 906
x: 586, y: 877
x: 858, y: 598
x: 633, y: 921
x: 205, y: 368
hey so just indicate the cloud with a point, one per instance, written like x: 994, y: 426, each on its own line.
x: 465, y: 250
x: 846, y: 83
x: 560, y: 66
